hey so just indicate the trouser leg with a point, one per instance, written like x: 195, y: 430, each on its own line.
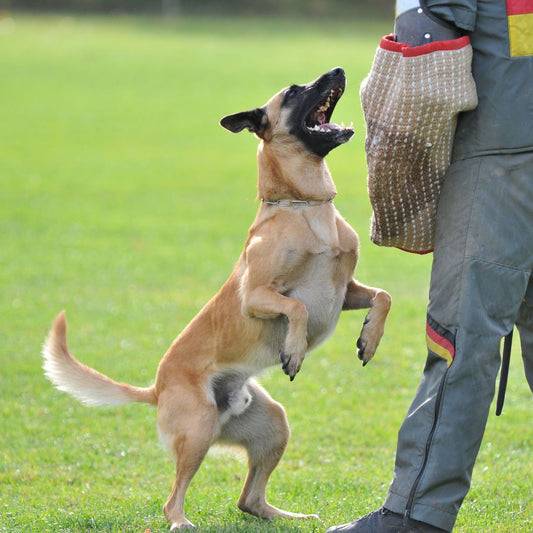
x: 525, y: 328
x: 482, y: 263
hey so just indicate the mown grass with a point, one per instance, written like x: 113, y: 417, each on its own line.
x: 124, y: 202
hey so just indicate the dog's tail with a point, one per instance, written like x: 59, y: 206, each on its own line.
x: 87, y: 385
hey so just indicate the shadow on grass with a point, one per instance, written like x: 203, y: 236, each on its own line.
x: 251, y: 525
x: 104, y: 523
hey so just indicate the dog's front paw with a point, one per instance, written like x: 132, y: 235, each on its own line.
x: 361, y: 351
x: 362, y: 344
x: 368, y: 341
x: 290, y: 363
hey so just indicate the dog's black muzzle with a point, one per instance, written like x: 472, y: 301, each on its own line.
x: 312, y: 107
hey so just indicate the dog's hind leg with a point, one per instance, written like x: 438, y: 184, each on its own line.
x: 187, y: 425
x: 264, y: 431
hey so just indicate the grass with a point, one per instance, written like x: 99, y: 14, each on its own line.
x: 125, y: 203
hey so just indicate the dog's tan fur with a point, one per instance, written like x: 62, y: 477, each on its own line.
x: 284, y: 295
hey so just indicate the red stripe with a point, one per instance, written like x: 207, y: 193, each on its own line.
x: 388, y: 43
x: 436, y: 46
x: 519, y: 7
x: 419, y: 252
x: 440, y: 340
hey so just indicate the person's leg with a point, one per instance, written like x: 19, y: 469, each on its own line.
x: 482, y: 263
x: 524, y: 325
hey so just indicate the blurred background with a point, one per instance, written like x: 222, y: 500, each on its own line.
x: 123, y: 201
x: 309, y: 8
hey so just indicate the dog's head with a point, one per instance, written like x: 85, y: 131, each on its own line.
x: 302, y: 112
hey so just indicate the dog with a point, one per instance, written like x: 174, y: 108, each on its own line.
x: 283, y: 298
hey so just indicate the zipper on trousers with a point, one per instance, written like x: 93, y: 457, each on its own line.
x: 410, y: 500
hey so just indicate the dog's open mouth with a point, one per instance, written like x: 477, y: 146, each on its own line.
x: 318, y: 120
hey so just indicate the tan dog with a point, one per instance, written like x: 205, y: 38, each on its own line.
x: 283, y: 298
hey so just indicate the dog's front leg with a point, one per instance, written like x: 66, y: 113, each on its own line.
x: 266, y: 302
x: 359, y: 296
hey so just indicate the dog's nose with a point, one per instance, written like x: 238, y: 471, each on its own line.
x: 337, y: 71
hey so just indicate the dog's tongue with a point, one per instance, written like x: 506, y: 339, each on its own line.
x: 321, y: 119
x: 318, y: 117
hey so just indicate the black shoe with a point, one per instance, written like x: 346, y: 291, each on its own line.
x: 385, y: 521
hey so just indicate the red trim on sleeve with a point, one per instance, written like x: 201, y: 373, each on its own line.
x: 455, y: 44
x: 388, y: 43
x: 419, y: 252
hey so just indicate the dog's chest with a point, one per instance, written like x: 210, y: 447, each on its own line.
x: 325, y: 234
x: 328, y: 233
x: 321, y: 287
x: 321, y: 280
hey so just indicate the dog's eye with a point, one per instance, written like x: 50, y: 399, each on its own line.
x: 291, y: 91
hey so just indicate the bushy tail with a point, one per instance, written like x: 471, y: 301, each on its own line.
x: 84, y: 383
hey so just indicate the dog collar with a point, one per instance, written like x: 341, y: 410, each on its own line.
x: 297, y: 203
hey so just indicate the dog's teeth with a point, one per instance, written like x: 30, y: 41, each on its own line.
x: 326, y: 105
x: 318, y: 127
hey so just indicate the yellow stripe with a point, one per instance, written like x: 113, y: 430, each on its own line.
x: 521, y: 35
x: 439, y: 350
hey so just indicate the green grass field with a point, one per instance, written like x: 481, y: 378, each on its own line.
x: 124, y: 202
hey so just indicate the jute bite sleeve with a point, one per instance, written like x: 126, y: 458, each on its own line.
x: 411, y: 99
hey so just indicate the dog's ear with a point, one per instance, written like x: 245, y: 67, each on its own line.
x: 255, y: 120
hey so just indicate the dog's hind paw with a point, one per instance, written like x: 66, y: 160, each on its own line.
x: 264, y: 510
x: 181, y: 525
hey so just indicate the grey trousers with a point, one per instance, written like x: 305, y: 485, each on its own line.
x: 482, y: 266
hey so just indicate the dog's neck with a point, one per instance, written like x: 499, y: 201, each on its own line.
x: 291, y: 173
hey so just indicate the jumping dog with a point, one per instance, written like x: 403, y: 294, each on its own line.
x: 283, y: 298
